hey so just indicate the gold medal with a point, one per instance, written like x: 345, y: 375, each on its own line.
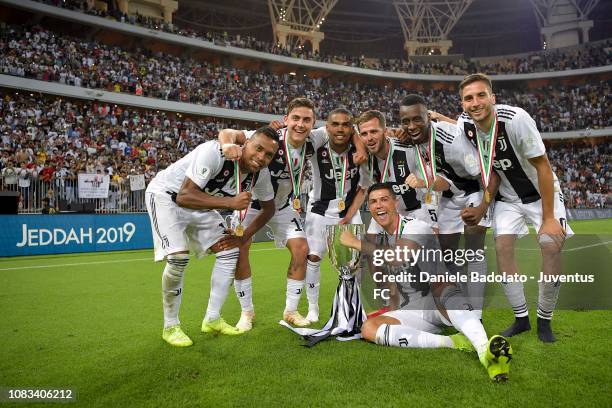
x: 296, y: 204
x: 487, y: 197
x: 341, y: 205
x: 239, y: 230
x: 428, y: 197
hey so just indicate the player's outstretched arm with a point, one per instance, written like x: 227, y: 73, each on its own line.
x: 267, y: 211
x: 361, y: 154
x: 472, y: 215
x: 433, y: 115
x: 550, y: 225
x: 355, y: 206
x: 440, y: 184
x: 190, y: 196
x: 230, y: 141
x: 349, y: 240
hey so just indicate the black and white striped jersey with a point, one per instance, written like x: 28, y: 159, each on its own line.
x: 324, y: 196
x: 206, y: 167
x: 518, y: 140
x: 279, y: 171
x: 397, y: 172
x: 456, y: 161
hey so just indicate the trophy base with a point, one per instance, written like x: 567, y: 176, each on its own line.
x: 345, y: 326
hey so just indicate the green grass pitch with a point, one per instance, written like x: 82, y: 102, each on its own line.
x: 92, y: 322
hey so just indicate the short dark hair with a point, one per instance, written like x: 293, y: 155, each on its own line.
x: 369, y: 115
x: 381, y: 186
x: 269, y: 132
x: 413, y: 99
x: 301, y: 103
x: 341, y: 111
x: 479, y: 76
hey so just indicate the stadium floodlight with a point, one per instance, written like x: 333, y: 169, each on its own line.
x: 427, y: 23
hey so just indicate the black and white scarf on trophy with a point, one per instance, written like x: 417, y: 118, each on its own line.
x: 347, y: 316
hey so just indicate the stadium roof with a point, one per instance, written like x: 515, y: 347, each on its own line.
x: 371, y: 27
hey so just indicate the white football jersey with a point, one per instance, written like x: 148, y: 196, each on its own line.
x: 327, y: 179
x: 415, y: 230
x: 206, y: 167
x: 455, y: 158
x: 278, y: 168
x: 518, y: 140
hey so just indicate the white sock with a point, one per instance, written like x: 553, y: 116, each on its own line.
x: 294, y: 293
x: 220, y: 281
x: 516, y: 296
x: 547, y: 299
x: 476, y: 290
x: 313, y: 281
x: 172, y: 288
x: 244, y: 291
x: 465, y: 320
x: 395, y: 335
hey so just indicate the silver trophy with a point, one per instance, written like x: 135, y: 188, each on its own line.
x: 347, y: 313
x: 344, y: 259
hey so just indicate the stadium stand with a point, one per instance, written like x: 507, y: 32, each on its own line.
x: 47, y: 140
x: 42, y: 54
x: 583, y: 56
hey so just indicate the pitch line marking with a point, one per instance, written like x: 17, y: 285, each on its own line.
x: 252, y: 250
x: 571, y: 249
x: 102, y: 262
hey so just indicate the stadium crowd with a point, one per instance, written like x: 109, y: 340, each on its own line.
x: 551, y: 60
x: 583, y: 169
x: 38, y: 53
x: 47, y: 141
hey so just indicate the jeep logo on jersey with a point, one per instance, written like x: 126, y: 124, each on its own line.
x: 503, y: 164
x: 216, y: 192
x: 282, y: 174
x: 350, y: 174
x: 400, y: 188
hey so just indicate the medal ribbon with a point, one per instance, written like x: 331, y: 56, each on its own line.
x: 237, y: 176
x: 486, y: 164
x: 385, y: 173
x: 295, y: 182
x: 339, y: 191
x: 399, y: 228
x: 432, y: 160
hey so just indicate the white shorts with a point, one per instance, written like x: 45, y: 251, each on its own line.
x: 430, y: 321
x: 285, y: 224
x: 512, y: 218
x: 425, y: 214
x: 316, y: 231
x: 449, y: 212
x: 177, y: 229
